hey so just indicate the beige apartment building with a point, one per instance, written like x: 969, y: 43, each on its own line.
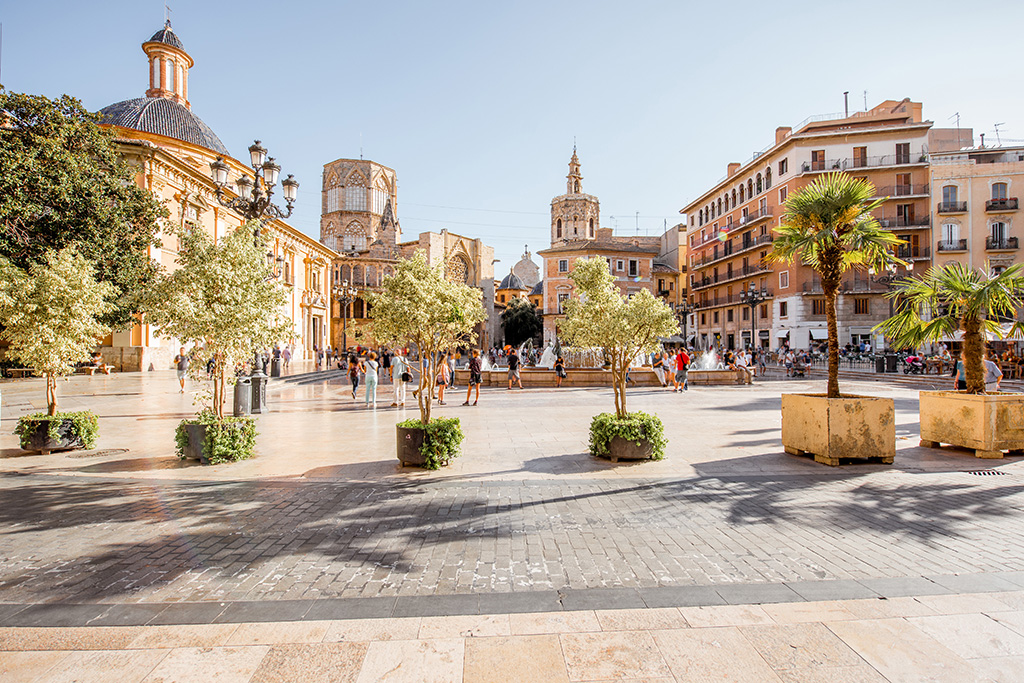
x: 730, y: 228
x: 978, y: 218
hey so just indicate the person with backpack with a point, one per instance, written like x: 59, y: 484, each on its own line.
x: 354, y: 366
x: 682, y: 368
x: 559, y: 370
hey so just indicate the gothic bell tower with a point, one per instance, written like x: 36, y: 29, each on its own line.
x: 574, y: 215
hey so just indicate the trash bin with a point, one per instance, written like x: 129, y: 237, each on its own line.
x: 890, y: 362
x: 243, y: 397
x: 275, y: 367
x: 259, y: 394
x: 879, y: 364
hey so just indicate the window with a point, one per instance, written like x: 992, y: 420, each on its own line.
x: 563, y: 265
x: 661, y: 284
x: 760, y: 184
x: 354, y: 238
x: 860, y: 157
x: 903, y: 186
x: 903, y: 153
x: 764, y: 311
x: 784, y: 167
x: 562, y: 298
x: 746, y: 314
x: 763, y: 208
x: 502, y: 298
x: 949, y: 194
x: 817, y: 307
x: 861, y: 306
x: 634, y: 267
x: 784, y: 280
x: 783, y: 194
x: 591, y: 227
x: 951, y: 232
x: 703, y: 319
x: 742, y: 193
x: 783, y: 309
x: 558, y: 228
x: 904, y: 214
x: 355, y: 198
x: 998, y: 190
x: 728, y: 315
x: 715, y: 317
x: 999, y: 232
x: 750, y: 189
x: 768, y: 178
x: 172, y: 71
x: 619, y: 265
x: 734, y: 198
x: 333, y: 199
x: 818, y: 160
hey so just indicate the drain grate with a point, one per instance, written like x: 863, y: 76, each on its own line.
x: 987, y: 473
x: 96, y: 454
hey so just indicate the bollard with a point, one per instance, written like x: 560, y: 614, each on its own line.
x: 259, y: 394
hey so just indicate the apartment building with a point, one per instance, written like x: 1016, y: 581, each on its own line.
x: 737, y: 298
x: 978, y: 217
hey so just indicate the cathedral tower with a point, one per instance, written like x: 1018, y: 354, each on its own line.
x: 574, y: 215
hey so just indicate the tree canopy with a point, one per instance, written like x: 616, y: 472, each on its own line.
x: 51, y: 314
x: 64, y: 184
x: 221, y: 298
x: 520, y: 321
x: 600, y: 316
x: 419, y: 305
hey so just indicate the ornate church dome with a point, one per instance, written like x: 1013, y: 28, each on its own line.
x: 165, y: 110
x: 512, y: 281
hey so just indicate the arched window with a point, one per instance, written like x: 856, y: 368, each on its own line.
x: 743, y: 190
x: 750, y: 189
x: 172, y: 72
x: 558, y: 228
x: 734, y: 198
x: 357, y: 274
x: 998, y: 190
x: 591, y: 227
x: 767, y: 178
x: 354, y: 238
x: 357, y: 308
x: 950, y: 194
x: 355, y: 193
x: 760, y: 184
x: 719, y: 207
x: 576, y: 186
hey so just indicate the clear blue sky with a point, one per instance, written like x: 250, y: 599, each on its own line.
x: 475, y: 104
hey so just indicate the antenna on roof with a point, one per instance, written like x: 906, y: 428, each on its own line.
x: 865, y: 100
x: 957, y: 117
x: 638, y: 222
x: 999, y: 143
x: 846, y: 103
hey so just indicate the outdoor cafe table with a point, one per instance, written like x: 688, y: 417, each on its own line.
x: 938, y: 364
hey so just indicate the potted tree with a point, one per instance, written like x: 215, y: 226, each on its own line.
x: 623, y: 328
x: 829, y: 227
x: 957, y: 298
x: 220, y: 299
x: 419, y: 306
x: 50, y: 318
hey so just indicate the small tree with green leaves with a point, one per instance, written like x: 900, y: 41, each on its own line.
x: 520, y: 321
x: 624, y: 327
x: 952, y: 298
x: 419, y: 305
x: 828, y: 226
x: 51, y: 314
x: 222, y: 298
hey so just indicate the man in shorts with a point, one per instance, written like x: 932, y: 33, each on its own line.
x: 181, y: 365
x: 513, y: 369
x: 682, y: 367
x: 475, y: 377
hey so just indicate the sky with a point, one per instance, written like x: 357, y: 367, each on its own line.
x: 476, y: 105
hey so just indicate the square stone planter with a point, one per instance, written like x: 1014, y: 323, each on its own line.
x: 834, y: 429
x: 988, y: 424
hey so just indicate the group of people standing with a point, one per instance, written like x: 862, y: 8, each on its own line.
x: 370, y: 368
x: 672, y: 368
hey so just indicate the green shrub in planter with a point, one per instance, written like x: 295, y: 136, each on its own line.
x: 636, y: 427
x: 441, y: 440
x: 227, y: 440
x: 83, y: 427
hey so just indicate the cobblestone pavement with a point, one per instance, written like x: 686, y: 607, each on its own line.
x: 74, y: 540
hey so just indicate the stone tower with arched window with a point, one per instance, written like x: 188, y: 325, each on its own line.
x: 574, y: 215
x: 360, y: 202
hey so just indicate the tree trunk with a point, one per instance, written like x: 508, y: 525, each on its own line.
x: 219, y: 382
x: 831, y: 290
x: 51, y: 394
x: 974, y: 349
x: 426, y: 377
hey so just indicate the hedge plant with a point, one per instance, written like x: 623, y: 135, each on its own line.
x: 442, y: 438
x: 227, y: 440
x: 84, y: 427
x: 638, y: 427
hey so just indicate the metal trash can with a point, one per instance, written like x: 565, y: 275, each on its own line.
x: 243, y: 397
x: 259, y: 394
x: 879, y: 364
x: 275, y: 367
x: 890, y: 362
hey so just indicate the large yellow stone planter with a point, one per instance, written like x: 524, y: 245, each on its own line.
x: 831, y: 429
x: 987, y: 423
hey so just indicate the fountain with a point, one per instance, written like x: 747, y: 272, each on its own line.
x: 709, y: 369
x: 547, y: 359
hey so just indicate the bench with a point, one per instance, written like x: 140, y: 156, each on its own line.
x: 93, y: 369
x: 21, y: 372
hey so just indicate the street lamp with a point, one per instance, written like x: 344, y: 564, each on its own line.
x: 345, y: 296
x: 684, y: 310
x: 753, y: 297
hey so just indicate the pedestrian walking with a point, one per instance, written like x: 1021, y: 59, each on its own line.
x: 475, y: 377
x: 559, y: 371
x: 370, y: 393
x: 385, y: 364
x: 318, y: 354
x: 403, y: 375
x: 993, y: 375
x: 442, y: 377
x: 451, y: 369
x: 659, y: 368
x: 181, y: 364
x: 286, y: 356
x: 513, y: 369
x: 679, y: 382
x: 354, y: 365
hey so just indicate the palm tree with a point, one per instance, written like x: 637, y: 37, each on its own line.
x: 956, y: 297
x: 828, y: 226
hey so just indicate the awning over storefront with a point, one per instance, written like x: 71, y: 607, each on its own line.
x: 819, y: 333
x: 782, y: 333
x: 1005, y: 336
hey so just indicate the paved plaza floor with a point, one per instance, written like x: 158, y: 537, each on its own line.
x: 323, y: 553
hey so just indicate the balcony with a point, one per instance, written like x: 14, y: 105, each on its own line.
x: 744, y: 245
x: 756, y: 215
x: 711, y: 302
x: 909, y: 253
x: 749, y: 269
x: 952, y: 207
x: 855, y: 285
x: 1005, y: 204
x: 854, y: 163
x: 952, y: 245
x: 1004, y: 244
x: 919, y: 190
x: 904, y: 222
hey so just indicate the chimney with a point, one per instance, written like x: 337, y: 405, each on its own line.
x: 781, y: 133
x: 732, y: 168
x: 982, y: 139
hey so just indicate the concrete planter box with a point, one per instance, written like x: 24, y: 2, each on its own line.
x: 834, y: 429
x: 194, y: 448
x: 38, y: 438
x: 624, y: 449
x: 409, y: 442
x: 986, y: 423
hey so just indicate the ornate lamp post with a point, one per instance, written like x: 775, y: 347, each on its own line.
x: 684, y: 310
x: 345, y: 295
x: 752, y: 297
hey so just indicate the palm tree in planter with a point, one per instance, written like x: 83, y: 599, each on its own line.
x: 953, y: 298
x: 222, y: 299
x: 828, y: 226
x: 419, y: 306
x: 623, y: 327
x: 51, y: 318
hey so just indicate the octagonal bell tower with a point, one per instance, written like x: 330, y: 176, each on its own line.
x: 574, y: 215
